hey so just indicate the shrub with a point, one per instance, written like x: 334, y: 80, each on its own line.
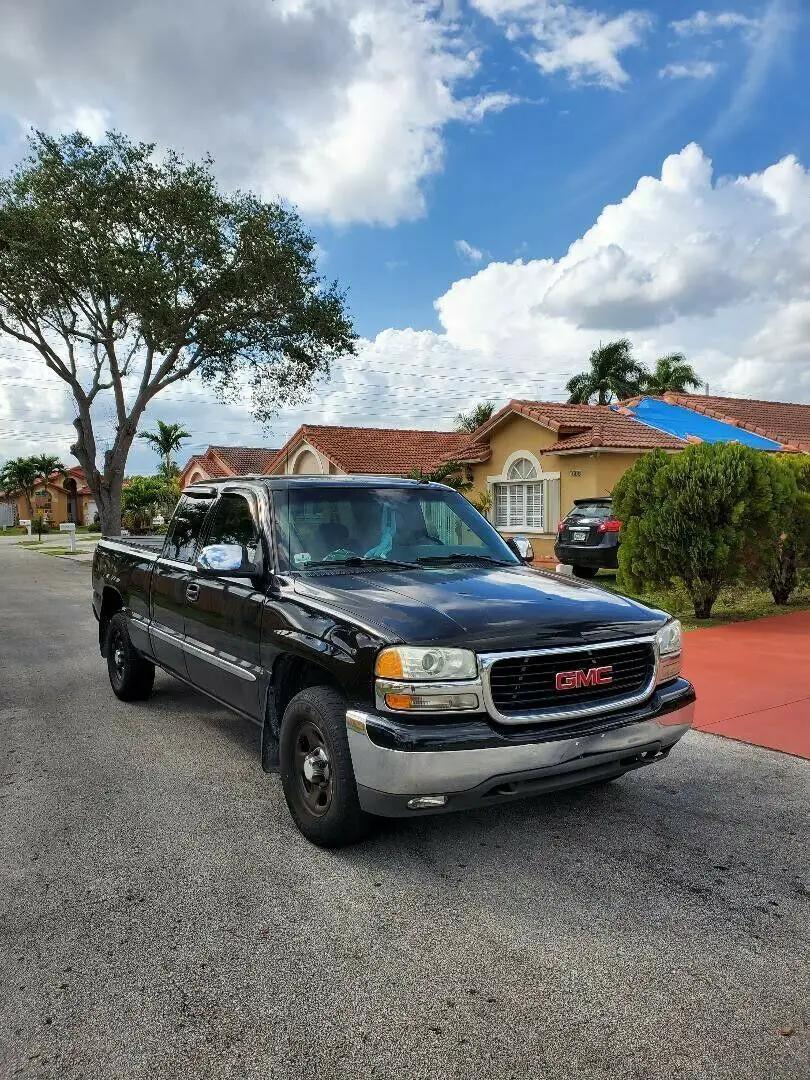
x: 39, y: 525
x: 777, y: 565
x: 482, y: 501
x: 697, y: 517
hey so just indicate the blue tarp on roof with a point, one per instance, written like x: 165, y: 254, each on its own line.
x: 679, y: 421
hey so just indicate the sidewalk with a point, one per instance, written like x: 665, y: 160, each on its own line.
x: 753, y: 681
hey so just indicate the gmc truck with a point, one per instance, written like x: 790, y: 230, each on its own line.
x: 399, y: 657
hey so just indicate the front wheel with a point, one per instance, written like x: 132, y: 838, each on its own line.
x: 131, y: 677
x: 316, y: 769
x: 586, y: 571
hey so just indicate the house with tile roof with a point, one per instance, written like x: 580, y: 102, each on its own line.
x: 219, y: 461
x: 59, y: 498
x: 786, y: 422
x: 536, y: 457
x: 323, y: 449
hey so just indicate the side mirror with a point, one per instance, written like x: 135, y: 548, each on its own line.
x: 521, y: 546
x: 225, y: 559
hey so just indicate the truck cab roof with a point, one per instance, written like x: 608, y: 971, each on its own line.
x: 309, y: 481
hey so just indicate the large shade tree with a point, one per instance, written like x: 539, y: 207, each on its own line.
x: 128, y: 272
x: 613, y: 373
x: 671, y: 373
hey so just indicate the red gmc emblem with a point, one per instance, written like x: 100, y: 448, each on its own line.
x: 573, y: 680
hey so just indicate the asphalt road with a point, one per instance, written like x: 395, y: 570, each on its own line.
x: 162, y: 918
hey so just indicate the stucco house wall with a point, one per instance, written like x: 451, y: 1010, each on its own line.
x: 566, y: 476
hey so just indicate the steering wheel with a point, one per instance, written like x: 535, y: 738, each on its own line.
x: 340, y: 555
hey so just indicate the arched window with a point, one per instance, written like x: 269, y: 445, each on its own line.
x: 522, y: 469
x: 521, y: 497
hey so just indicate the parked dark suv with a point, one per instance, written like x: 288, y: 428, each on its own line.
x: 588, y: 537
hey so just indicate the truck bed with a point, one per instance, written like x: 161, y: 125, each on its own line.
x: 154, y: 544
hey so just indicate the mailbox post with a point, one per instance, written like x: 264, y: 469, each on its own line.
x: 69, y: 527
x: 26, y: 524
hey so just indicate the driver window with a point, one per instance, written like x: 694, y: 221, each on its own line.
x: 232, y: 523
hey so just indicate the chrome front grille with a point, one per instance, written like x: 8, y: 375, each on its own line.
x: 544, y: 685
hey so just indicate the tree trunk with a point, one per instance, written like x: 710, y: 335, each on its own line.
x: 108, y: 501
x: 784, y: 577
x: 106, y: 487
x: 703, y: 597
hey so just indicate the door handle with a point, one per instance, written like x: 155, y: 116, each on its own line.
x: 192, y: 592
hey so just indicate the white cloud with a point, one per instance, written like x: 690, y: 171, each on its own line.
x: 339, y: 105
x: 564, y: 37
x: 690, y: 69
x: 467, y: 251
x: 716, y: 267
x: 704, y: 22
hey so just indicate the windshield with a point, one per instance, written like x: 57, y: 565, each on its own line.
x: 323, y: 526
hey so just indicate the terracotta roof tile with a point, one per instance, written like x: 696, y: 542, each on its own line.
x: 786, y: 422
x: 383, y: 451
x: 584, y: 426
x: 219, y: 461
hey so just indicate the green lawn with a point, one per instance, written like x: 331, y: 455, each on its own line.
x: 735, y: 604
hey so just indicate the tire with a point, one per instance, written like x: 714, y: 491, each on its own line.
x: 585, y: 571
x: 131, y: 677
x: 316, y: 769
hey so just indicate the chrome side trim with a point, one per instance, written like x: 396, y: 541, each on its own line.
x: 197, y: 649
x: 241, y: 670
x: 167, y: 635
x: 190, y: 568
x: 436, y: 689
x: 574, y: 712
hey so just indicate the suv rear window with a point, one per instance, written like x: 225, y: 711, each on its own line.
x: 599, y: 510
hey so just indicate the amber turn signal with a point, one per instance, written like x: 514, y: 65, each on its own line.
x: 389, y: 665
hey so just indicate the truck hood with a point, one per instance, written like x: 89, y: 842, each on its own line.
x: 486, y: 609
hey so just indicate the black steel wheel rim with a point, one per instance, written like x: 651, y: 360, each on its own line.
x: 118, y: 657
x: 312, y: 763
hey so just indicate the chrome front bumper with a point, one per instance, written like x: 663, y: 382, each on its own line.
x: 387, y: 780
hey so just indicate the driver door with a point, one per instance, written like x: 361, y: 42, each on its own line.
x: 223, y: 614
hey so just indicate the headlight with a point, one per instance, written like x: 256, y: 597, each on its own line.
x: 668, y: 647
x: 425, y: 664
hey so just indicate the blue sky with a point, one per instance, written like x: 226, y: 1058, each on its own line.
x: 529, y: 179
x: 499, y: 184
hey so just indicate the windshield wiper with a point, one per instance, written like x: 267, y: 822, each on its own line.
x: 363, y: 560
x: 461, y: 556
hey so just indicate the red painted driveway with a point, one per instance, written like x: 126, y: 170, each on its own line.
x: 753, y: 681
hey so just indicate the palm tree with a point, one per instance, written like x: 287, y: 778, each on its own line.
x: 672, y: 373
x: 614, y: 373
x: 473, y: 420
x: 166, y: 441
x: 19, y: 477
x: 452, y: 473
x: 48, y: 464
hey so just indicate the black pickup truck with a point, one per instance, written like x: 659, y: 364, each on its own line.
x: 399, y: 656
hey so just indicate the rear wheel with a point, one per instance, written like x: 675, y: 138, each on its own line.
x: 316, y: 769
x: 586, y: 571
x: 131, y: 677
